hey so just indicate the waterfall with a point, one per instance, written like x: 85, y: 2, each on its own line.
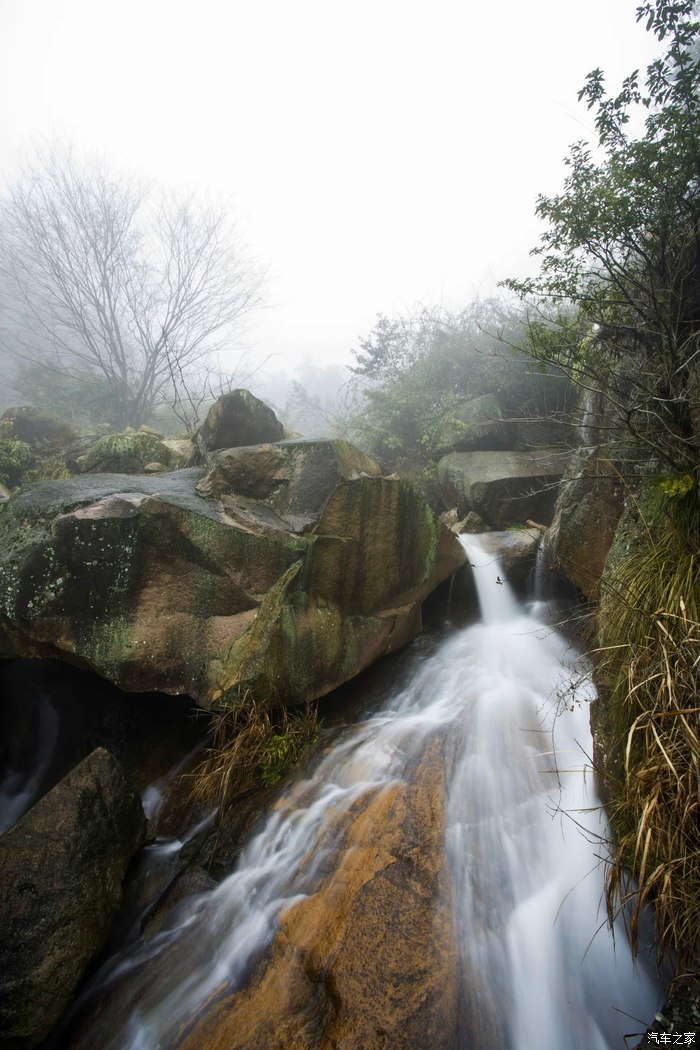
x: 524, y: 834
x: 523, y: 801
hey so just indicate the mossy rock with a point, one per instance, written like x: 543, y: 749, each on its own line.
x: 375, y: 553
x: 62, y: 868
x: 157, y: 588
x: 45, y: 432
x: 126, y: 454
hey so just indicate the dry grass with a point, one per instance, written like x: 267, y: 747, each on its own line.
x: 650, y: 667
x: 251, y: 746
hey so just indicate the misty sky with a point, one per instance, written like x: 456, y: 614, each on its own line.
x: 380, y: 154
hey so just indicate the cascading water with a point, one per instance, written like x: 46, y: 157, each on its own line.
x: 525, y: 834
x: 523, y: 839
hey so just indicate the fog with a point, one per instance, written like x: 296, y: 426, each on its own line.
x: 378, y: 156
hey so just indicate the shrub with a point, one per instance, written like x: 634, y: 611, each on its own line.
x: 16, y: 457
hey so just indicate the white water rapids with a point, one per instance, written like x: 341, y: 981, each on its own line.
x: 539, y: 970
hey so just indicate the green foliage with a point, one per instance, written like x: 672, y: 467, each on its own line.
x: 620, y: 259
x: 126, y: 453
x: 418, y: 373
x: 622, y: 243
x: 284, y: 749
x: 677, y: 485
x: 16, y: 458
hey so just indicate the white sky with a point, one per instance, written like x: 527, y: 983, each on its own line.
x: 380, y: 154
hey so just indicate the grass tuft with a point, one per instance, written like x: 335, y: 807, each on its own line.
x: 251, y: 746
x: 649, y: 663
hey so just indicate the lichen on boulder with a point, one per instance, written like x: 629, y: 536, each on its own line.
x: 126, y: 454
x: 159, y: 588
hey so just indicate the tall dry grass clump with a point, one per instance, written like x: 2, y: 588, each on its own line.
x: 252, y: 745
x: 650, y: 629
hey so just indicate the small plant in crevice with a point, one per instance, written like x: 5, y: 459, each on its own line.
x: 252, y: 746
x: 649, y: 671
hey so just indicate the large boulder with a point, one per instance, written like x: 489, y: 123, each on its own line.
x: 128, y: 453
x: 45, y: 432
x: 475, y: 423
x: 237, y: 419
x: 515, y: 549
x: 503, y: 488
x: 588, y: 509
x: 159, y: 588
x: 369, y: 959
x: 61, y: 871
x: 293, y: 478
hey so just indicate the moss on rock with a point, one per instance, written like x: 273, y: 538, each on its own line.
x: 126, y: 454
x: 159, y: 589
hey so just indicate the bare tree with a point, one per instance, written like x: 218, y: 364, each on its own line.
x: 116, y: 287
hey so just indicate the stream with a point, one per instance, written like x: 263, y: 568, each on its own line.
x: 507, y: 701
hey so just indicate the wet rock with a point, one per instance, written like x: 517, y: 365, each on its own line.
x: 293, y: 478
x: 369, y: 960
x: 191, y: 882
x: 61, y: 870
x: 473, y: 524
x: 160, y: 589
x: 236, y: 419
x: 679, y: 1014
x: 516, y: 550
x: 588, y: 509
x: 503, y: 488
x: 470, y: 523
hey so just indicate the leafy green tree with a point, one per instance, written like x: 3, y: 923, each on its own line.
x: 622, y: 243
x: 416, y: 373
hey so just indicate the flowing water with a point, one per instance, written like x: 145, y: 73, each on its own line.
x: 524, y: 838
